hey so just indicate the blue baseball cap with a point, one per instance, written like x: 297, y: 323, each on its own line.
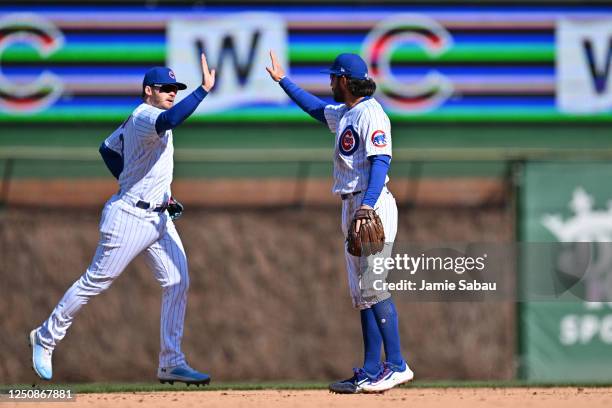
x: 350, y: 65
x: 161, y: 76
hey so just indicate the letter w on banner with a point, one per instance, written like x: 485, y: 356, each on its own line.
x: 237, y: 47
x: 584, y: 56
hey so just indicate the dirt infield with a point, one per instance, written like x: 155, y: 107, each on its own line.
x: 410, y: 397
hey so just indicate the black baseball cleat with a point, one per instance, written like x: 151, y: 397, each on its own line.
x: 353, y: 385
x: 184, y: 374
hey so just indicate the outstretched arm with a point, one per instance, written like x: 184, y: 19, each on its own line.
x: 178, y: 113
x: 309, y: 103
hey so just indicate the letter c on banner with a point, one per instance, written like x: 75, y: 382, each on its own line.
x: 420, y: 95
x: 23, y: 95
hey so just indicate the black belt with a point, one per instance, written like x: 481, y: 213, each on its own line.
x: 349, y: 195
x: 145, y: 206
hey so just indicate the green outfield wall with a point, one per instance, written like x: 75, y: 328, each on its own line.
x: 312, y: 135
x: 507, y: 141
x: 566, y: 337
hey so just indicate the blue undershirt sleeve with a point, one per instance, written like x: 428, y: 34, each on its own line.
x: 178, y: 113
x: 309, y: 103
x: 112, y: 159
x: 378, y: 175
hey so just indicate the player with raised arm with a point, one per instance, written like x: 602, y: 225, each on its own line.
x: 134, y: 221
x: 361, y: 161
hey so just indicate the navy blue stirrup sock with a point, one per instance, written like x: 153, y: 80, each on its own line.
x: 372, y: 342
x: 386, y: 318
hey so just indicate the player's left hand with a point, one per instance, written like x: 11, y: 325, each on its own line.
x: 358, y: 221
x: 366, y: 235
x: 276, y: 71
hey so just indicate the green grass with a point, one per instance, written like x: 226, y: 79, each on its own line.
x: 151, y: 387
x: 242, y: 386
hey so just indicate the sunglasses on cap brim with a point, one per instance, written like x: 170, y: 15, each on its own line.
x: 166, y: 88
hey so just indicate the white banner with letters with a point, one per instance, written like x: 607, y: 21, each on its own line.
x: 584, y: 56
x: 237, y: 46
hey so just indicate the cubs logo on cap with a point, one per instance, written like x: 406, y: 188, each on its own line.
x: 348, y: 141
x: 161, y: 76
x: 379, y: 138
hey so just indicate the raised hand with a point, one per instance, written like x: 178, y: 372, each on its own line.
x: 208, y: 77
x: 276, y: 71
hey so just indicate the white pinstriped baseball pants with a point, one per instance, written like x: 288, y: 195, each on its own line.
x: 386, y: 208
x: 125, y: 232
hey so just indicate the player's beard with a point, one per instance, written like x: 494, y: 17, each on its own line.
x: 162, y: 102
x: 338, y: 97
x: 168, y: 104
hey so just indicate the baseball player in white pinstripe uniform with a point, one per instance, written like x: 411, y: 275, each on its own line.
x: 362, y: 156
x: 134, y: 221
x: 111, y: 151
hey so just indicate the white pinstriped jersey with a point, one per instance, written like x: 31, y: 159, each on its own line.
x: 147, y: 156
x: 362, y: 131
x: 115, y: 140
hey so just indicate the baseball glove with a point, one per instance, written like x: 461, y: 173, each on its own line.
x: 175, y: 209
x: 370, y: 239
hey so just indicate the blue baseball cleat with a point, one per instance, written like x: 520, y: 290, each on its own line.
x: 353, y: 385
x: 184, y: 374
x: 41, y: 358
